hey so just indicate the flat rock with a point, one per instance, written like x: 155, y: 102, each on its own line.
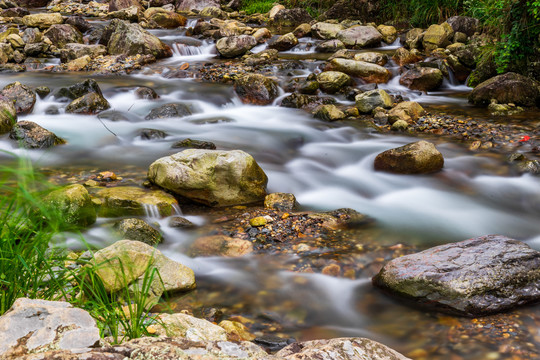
x: 420, y: 157
x: 135, y: 201
x: 32, y: 136
x: 189, y: 327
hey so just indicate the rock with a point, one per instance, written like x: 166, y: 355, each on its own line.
x: 91, y: 103
x: 403, y: 56
x: 211, y: 177
x: 8, y: 114
x: 152, y: 134
x: 306, y: 102
x: 372, y: 57
x: 62, y: 34
x: 194, y: 144
x: 213, y: 12
x: 115, y: 5
x: 256, y: 89
x: 340, y: 218
x: 339, y: 349
x: 505, y: 89
x: 6, y: 53
x: 42, y: 20
x: 437, y: 36
x: 409, y: 111
x: 333, y: 81
x: 234, y: 46
x: 35, y: 326
x: 265, y: 57
x: 367, y: 71
x: 274, y: 10
x: 358, y: 37
x: 124, y: 263
x: 329, y: 113
x: 261, y: 35
x: 80, y: 89
x: 464, y: 24
x: 504, y: 109
x: 422, y: 78
x: 169, y: 111
x: 159, y: 17
x: 189, y: 327
x: 459, y: 37
x: 139, y: 230
x: 16, y: 12
x: 258, y: 221
x: 285, y: 42
x: 186, y: 5
x: 15, y: 41
x: 73, y: 203
x: 220, y: 245
x: 22, y: 96
x: 474, y: 277
x: 354, y: 9
x: 79, y: 23
x: 366, y: 102
x: 330, y: 46
x: 302, y: 30
x: 414, y: 37
x: 291, y: 17
x: 32, y: 35
x: 389, y: 33
x: 280, y: 201
x: 134, y: 201
x: 326, y: 31
x: 131, y: 39
x: 400, y: 125
x: 236, y: 331
x: 146, y: 93
x: 42, y: 91
x: 32, y: 136
x: 181, y: 223
x: 420, y: 157
x: 461, y: 72
x: 131, y: 14
x: 35, y: 49
x: 74, y: 51
x: 79, y: 64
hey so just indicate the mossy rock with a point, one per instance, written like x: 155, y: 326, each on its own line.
x: 74, y: 204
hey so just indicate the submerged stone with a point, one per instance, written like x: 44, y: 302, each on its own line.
x: 135, y: 201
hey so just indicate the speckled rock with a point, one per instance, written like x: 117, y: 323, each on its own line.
x: 475, y: 277
x: 420, y: 157
x: 22, y: 96
x: 372, y: 57
x: 285, y: 42
x: 32, y: 136
x: 324, y: 30
x: 187, y: 327
x: 135, y: 201
x: 139, y: 230
x: 329, y: 113
x: 8, y: 114
x: 366, y: 102
x: 233, y: 46
x: 220, y: 245
x: 91, y: 103
x: 360, y: 36
x: 280, y: 201
x: 131, y: 39
x: 256, y: 89
x: 42, y: 20
x: 333, y: 81
x: 169, y: 111
x: 74, y: 204
x: 367, y: 71
x: 62, y: 34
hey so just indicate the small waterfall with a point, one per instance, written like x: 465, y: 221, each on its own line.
x: 193, y: 52
x: 191, y: 23
x: 151, y: 211
x: 177, y: 210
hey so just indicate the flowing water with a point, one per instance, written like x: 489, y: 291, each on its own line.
x: 326, y: 166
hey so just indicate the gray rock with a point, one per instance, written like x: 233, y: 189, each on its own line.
x: 464, y: 24
x: 189, y: 327
x: 74, y: 51
x: 367, y: 71
x: 186, y: 5
x: 420, y: 157
x: 324, y: 30
x: 475, y: 277
x: 306, y: 102
x: 220, y: 245
x: 91, y: 103
x: 22, y: 96
x: 422, y: 78
x: 194, y: 144
x: 369, y: 100
x: 80, y: 89
x: 131, y: 39
x: 169, y: 111
x: 116, y: 5
x: 291, y: 17
x: 507, y: 88
x: 62, y: 34
x: 139, y: 230
x: 256, y: 89
x: 234, y: 46
x: 152, y: 134
x: 146, y: 93
x: 330, y: 46
x: 360, y: 36
x: 32, y: 136
x: 285, y: 42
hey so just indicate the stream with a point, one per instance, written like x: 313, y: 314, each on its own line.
x: 326, y: 166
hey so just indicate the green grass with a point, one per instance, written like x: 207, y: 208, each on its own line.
x: 254, y: 6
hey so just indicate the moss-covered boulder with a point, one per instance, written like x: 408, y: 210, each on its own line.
x: 437, y: 36
x: 366, y: 102
x: 420, y: 157
x: 139, y: 230
x: 74, y: 205
x: 211, y: 177
x: 131, y: 39
x: 134, y: 201
x: 42, y: 20
x: 332, y: 81
x: 8, y: 115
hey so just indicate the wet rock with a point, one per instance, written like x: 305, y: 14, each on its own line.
x: 42, y: 20
x: 169, y: 111
x: 389, y: 33
x: 74, y: 51
x: 236, y: 331
x: 139, y: 230
x: 8, y: 114
x: 35, y: 49
x: 340, y: 218
x: 189, y: 327
x: 302, y: 30
x: 22, y: 96
x: 79, y: 23
x: 280, y: 201
x: 475, y: 277
x: 234, y: 46
x: 152, y: 134
x: 420, y: 157
x: 291, y: 17
x: 181, y: 223
x: 62, y: 34
x: 461, y: 72
x: 403, y: 56
x: 91, y: 103
x: 194, y: 144
x: 367, y: 71
x: 372, y: 57
x: 329, y: 113
x: 15, y: 41
x: 507, y: 88
x: 17, y: 12
x: 146, y: 93
x: 409, y: 111
x: 285, y: 42
x: 330, y: 46
x: 79, y: 64
x: 437, y: 36
x: 115, y: 5
x: 32, y: 35
x: 74, y: 204
x: 78, y: 90
x: 265, y: 57
x: 333, y: 81
x: 159, y: 17
x: 211, y: 177
x: 42, y: 91
x: 400, y: 125
x: 32, y: 136
x: 422, y: 78
x: 131, y: 39
x: 504, y: 109
x: 262, y: 34
x: 358, y: 37
x: 366, y: 102
x: 213, y: 12
x: 464, y: 24
x: 135, y: 201
x: 339, y: 349
x: 220, y: 245
x: 256, y: 89
x: 306, y: 102
x: 326, y: 31
x: 413, y: 38
x: 186, y: 5
x: 35, y: 326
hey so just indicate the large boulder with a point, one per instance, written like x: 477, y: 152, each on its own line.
x: 74, y: 51
x: 134, y: 201
x: 408, y: 111
x: 507, y: 88
x: 339, y: 349
x: 62, y: 34
x: 414, y: 37
x: 186, y: 5
x: 360, y: 36
x: 211, y: 177
x: 366, y: 102
x: 367, y: 71
x: 233, y: 46
x: 422, y: 78
x: 32, y: 136
x: 475, y: 277
x: 42, y: 21
x: 8, y: 114
x: 131, y: 39
x: 139, y: 230
x: 324, y: 30
x: 464, y: 24
x: 291, y: 17
x: 37, y: 326
x: 22, y: 96
x: 74, y: 204
x: 420, y: 157
x: 333, y: 81
x: 91, y: 103
x: 158, y: 17
x: 437, y: 36
x: 256, y: 89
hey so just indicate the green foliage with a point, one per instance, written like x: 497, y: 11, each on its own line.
x: 257, y: 6
x: 420, y: 13
x: 313, y: 7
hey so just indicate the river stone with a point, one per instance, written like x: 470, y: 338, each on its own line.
x: 139, y: 230
x: 211, y: 177
x: 329, y: 113
x: 326, y: 31
x: 366, y: 102
x: 78, y: 90
x: 146, y: 93
x: 35, y: 326
x: 389, y: 33
x: 360, y: 36
x: 274, y: 10
x: 507, y: 88
x: 6, y: 52
x: 15, y: 41
x: 420, y: 157
x: 280, y: 201
x: 302, y: 30
x: 131, y: 39
x: 135, y: 201
x: 409, y: 111
x: 306, y: 102
x: 372, y: 57
x: 330, y: 46
x: 42, y: 91
x: 403, y: 56
x: 79, y: 23
x: 339, y: 349
x: 89, y: 104
x: 15, y: 12
x: 234, y: 46
x: 125, y: 262
x: 261, y: 35
x: 367, y: 71
x: 32, y: 35
x: 236, y: 331
x: 74, y: 51
x: 422, y: 78
x: 169, y: 111
x: 291, y: 17
x: 256, y: 89
x: 180, y: 222
x: 186, y: 5
x: 42, y: 20
x: 285, y: 42
x: 464, y: 24
x: 74, y: 204
x: 220, y: 245
x: 332, y: 81
x: 116, y: 5
x: 185, y: 326
x: 194, y: 144
x: 32, y: 136
x: 62, y: 34
x: 8, y: 114
x: 437, y: 36
x: 474, y: 277
x: 159, y: 17
x: 22, y: 96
